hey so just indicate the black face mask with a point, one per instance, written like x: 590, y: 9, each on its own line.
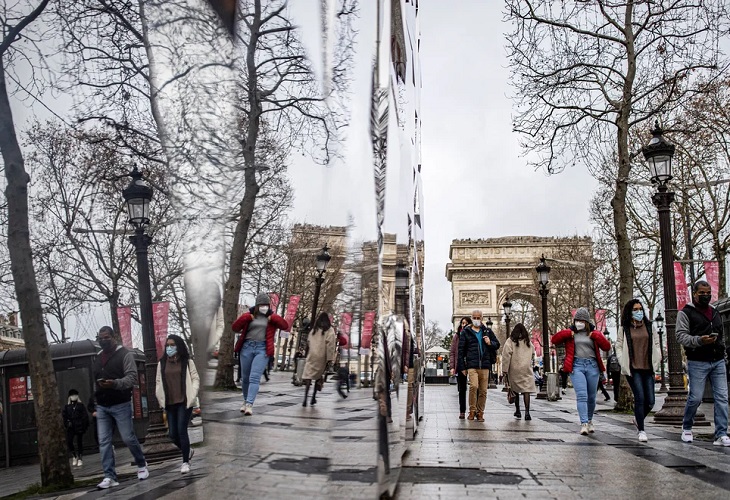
x: 704, y: 300
x: 106, y: 344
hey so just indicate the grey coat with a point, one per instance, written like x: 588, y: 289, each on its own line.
x: 517, y: 365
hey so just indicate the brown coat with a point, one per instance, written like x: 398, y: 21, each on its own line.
x: 322, y: 350
x: 517, y: 365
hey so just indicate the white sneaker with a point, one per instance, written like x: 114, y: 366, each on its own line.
x: 79, y: 463
x: 583, y: 429
x: 642, y: 437
x: 74, y: 461
x: 185, y: 468
x: 687, y: 435
x: 591, y: 427
x: 248, y: 410
x: 722, y: 441
x: 143, y: 473
x: 243, y: 407
x: 107, y: 483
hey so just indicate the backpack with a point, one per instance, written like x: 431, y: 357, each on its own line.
x: 613, y: 363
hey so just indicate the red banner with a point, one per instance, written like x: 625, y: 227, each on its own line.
x: 160, y: 312
x: 680, y: 283
x: 601, y: 320
x: 18, y: 390
x: 366, y: 337
x: 572, y: 312
x: 291, y: 310
x: 274, y: 297
x: 712, y: 273
x: 345, y: 322
x: 124, y: 316
x: 537, y: 342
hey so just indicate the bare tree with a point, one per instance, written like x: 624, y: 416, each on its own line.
x: 434, y: 334
x: 586, y: 74
x: 17, y: 36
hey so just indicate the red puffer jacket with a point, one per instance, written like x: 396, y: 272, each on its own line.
x: 566, y: 336
x: 241, y: 325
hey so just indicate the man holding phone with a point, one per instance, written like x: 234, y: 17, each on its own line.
x: 115, y: 372
x: 699, y: 330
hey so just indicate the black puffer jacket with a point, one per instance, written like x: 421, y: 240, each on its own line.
x: 469, y: 351
x: 75, y: 417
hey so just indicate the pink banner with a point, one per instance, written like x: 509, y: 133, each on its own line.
x: 680, y: 283
x: 291, y: 310
x: 572, y: 313
x: 601, y: 320
x: 345, y: 322
x: 124, y: 316
x: 160, y: 312
x: 537, y: 342
x: 368, y: 319
x: 712, y: 273
x: 274, y: 301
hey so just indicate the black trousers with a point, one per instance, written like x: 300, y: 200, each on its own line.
x: 616, y: 379
x: 70, y: 436
x: 461, y: 386
x: 564, y: 380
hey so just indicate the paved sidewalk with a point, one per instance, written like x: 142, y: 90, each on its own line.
x: 547, y: 458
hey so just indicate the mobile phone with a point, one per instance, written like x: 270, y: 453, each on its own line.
x: 714, y: 335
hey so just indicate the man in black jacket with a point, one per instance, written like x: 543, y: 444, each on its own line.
x: 478, y: 350
x: 115, y: 372
x: 699, y: 330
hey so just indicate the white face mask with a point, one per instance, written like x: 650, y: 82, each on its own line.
x: 476, y: 322
x: 74, y: 398
x: 263, y: 309
x: 580, y: 325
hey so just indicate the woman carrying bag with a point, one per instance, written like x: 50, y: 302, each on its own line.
x: 321, y: 351
x: 517, y: 355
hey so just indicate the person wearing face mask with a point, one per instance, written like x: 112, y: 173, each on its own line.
x: 321, y: 352
x: 699, y: 330
x: 478, y: 351
x: 583, y: 361
x: 255, y: 346
x: 115, y: 372
x: 638, y: 352
x: 176, y: 388
x: 76, y: 421
x: 456, y: 364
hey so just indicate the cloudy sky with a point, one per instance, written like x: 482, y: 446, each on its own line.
x: 476, y: 182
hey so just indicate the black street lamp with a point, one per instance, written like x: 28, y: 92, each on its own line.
x: 321, y: 265
x: 492, y: 384
x: 543, y: 276
x: 659, y: 320
x: 507, y: 308
x: 138, y: 195
x: 489, y: 323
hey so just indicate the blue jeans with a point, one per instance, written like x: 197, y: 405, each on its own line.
x: 698, y: 373
x: 585, y: 382
x: 106, y: 418
x: 642, y: 384
x: 178, y: 418
x: 253, y: 363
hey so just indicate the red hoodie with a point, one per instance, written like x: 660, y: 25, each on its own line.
x: 566, y: 336
x: 275, y: 321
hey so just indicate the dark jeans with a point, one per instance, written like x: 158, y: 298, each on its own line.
x: 70, y: 435
x: 178, y: 418
x: 642, y: 384
x: 564, y: 380
x: 616, y: 380
x: 461, y: 386
x: 602, y: 388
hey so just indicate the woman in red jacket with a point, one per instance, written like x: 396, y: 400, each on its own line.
x: 583, y: 361
x: 256, y: 345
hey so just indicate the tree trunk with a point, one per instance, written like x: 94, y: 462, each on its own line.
x: 232, y: 289
x: 55, y: 467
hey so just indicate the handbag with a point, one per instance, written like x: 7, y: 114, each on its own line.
x: 511, y: 396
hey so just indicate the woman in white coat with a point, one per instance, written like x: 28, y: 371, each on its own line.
x: 321, y: 351
x: 638, y: 352
x: 176, y: 389
x: 517, y: 356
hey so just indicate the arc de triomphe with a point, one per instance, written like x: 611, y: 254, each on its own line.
x: 483, y: 272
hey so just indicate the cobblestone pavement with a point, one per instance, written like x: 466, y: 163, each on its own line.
x: 285, y: 451
x: 547, y: 458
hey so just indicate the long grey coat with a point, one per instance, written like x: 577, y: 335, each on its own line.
x: 322, y: 349
x: 517, y: 364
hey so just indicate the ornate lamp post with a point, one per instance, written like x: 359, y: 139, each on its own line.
x: 543, y: 276
x: 507, y: 308
x: 492, y: 384
x: 659, y: 320
x: 658, y: 154
x: 138, y: 195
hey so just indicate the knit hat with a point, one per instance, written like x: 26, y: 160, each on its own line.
x: 263, y: 299
x: 582, y: 314
x: 73, y: 392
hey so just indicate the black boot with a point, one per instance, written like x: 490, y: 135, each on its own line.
x: 527, y: 406
x: 306, y: 393
x: 314, y: 396
x: 518, y: 414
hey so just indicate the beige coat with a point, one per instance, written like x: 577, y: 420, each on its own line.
x: 192, y: 385
x: 517, y: 365
x: 322, y: 350
x: 622, y: 352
